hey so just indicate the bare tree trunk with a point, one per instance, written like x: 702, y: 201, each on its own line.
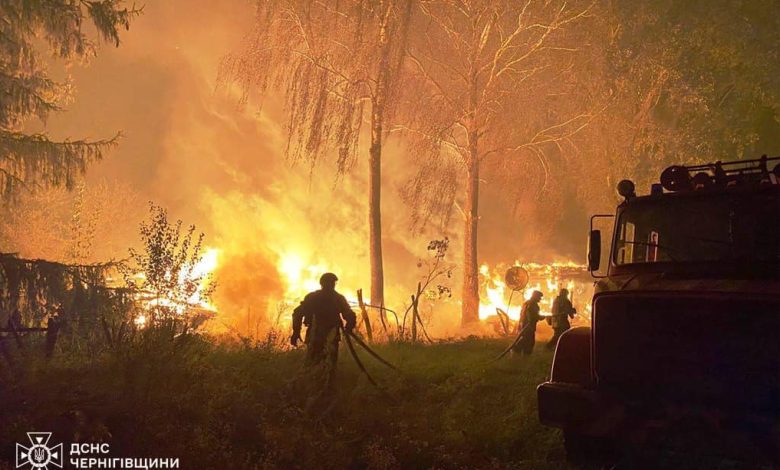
x: 375, y: 209
x: 470, y: 295
x: 375, y: 164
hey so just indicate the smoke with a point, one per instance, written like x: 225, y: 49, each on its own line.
x: 195, y: 152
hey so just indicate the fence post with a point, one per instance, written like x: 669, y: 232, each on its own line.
x: 364, y: 314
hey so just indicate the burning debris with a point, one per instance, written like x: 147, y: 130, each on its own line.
x: 171, y: 277
x: 500, y: 305
x: 197, y: 302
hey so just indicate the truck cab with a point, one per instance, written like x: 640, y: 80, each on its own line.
x: 685, y: 328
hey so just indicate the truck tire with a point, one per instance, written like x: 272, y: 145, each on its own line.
x: 584, y: 449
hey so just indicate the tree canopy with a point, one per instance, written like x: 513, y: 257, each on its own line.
x: 59, y: 27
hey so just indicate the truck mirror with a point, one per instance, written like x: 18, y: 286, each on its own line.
x: 594, y: 250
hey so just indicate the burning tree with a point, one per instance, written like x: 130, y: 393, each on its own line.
x: 167, y: 274
x: 28, y: 92
x: 339, y: 65
x: 484, y: 74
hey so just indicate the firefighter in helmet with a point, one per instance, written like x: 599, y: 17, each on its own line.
x: 562, y: 310
x: 322, y: 312
x: 529, y: 316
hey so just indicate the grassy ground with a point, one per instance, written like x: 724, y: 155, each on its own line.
x: 232, y: 407
x: 221, y: 407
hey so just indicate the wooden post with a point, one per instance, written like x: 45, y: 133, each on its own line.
x: 106, y: 331
x: 383, y: 319
x: 415, y: 312
x: 503, y: 318
x: 364, y: 314
x: 16, y: 335
x: 414, y: 318
x: 52, y: 331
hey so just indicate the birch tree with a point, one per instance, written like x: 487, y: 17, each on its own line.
x: 487, y: 75
x: 338, y: 64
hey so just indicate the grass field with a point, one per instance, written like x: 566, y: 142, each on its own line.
x: 233, y: 407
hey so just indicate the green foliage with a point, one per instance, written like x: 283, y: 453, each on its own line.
x: 166, y: 271
x: 28, y: 92
x: 225, y: 406
x: 37, y: 287
x: 699, y: 79
x: 220, y: 405
x: 89, y: 312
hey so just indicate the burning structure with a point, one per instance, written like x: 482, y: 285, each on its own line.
x: 275, y: 221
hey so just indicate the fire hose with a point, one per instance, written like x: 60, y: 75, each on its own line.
x: 349, y: 336
x: 514, y: 343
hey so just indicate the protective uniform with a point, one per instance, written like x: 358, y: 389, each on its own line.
x: 561, y: 311
x: 529, y: 316
x: 321, y: 311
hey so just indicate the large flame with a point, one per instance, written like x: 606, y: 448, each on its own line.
x: 204, y: 270
x: 546, y: 278
x: 275, y: 227
x: 300, y: 276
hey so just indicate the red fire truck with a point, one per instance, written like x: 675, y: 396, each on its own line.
x: 685, y: 330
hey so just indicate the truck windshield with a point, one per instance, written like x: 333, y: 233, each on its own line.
x: 724, y: 227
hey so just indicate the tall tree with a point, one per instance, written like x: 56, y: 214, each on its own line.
x: 707, y: 87
x: 31, y: 160
x: 488, y: 74
x: 339, y: 65
x: 686, y: 87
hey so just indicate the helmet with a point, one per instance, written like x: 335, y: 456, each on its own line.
x: 328, y: 278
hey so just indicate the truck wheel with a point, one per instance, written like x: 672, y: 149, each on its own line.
x: 581, y: 448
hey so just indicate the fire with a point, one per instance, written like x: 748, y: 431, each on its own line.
x: 546, y: 278
x: 300, y: 277
x: 299, y: 272
x: 204, y: 270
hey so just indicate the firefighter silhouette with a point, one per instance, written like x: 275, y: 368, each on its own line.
x: 529, y: 317
x: 321, y: 312
x: 562, y: 310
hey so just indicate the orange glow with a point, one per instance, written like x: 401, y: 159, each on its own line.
x: 204, y: 269
x: 546, y: 278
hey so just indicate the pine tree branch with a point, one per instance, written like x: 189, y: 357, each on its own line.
x: 37, y: 160
x: 22, y: 97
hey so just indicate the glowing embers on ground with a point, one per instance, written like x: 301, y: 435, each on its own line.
x: 547, y: 278
x: 182, y: 300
